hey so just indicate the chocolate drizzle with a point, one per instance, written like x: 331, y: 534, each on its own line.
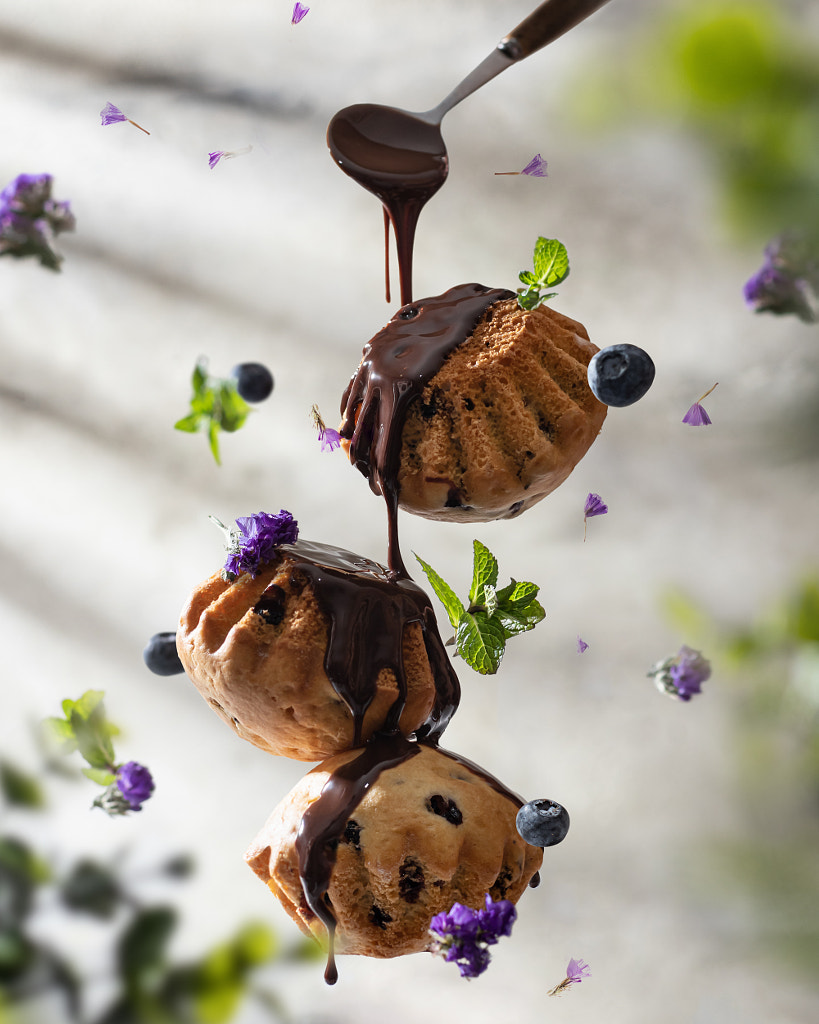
x: 368, y: 611
x: 400, y: 158
x: 325, y: 820
x: 397, y: 365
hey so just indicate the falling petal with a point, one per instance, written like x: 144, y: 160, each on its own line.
x: 697, y: 416
x: 536, y: 167
x: 330, y: 439
x: 299, y: 11
x: 595, y: 506
x: 215, y: 157
x: 581, y: 646
x: 111, y: 114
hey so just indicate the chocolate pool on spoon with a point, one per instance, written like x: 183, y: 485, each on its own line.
x: 400, y: 156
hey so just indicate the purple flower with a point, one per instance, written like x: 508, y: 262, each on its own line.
x: 577, y: 971
x: 696, y: 415
x: 788, y: 280
x: 594, y: 507
x: 330, y: 438
x: 135, y: 783
x: 27, y: 193
x: 113, y: 115
x: 30, y: 218
x: 536, y: 167
x: 581, y: 646
x: 462, y: 935
x: 215, y: 157
x: 299, y: 11
x: 254, y: 544
x: 682, y: 674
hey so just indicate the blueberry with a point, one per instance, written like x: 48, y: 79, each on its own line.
x: 542, y: 823
x: 160, y: 655
x: 254, y: 382
x: 620, y: 374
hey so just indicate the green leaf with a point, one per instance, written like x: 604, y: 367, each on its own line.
x: 141, y: 948
x: 529, y: 299
x: 190, y: 424
x: 199, y: 379
x: 480, y: 641
x: 527, y: 277
x: 490, y: 599
x: 551, y: 261
x: 213, y: 438
x: 521, y: 619
x: 19, y: 788
x: 91, y: 889
x: 234, y: 409
x: 445, y: 594
x: 484, y: 571
x: 61, y: 733
x: 85, y: 728
x: 101, y: 776
x: 519, y: 594
x: 255, y: 944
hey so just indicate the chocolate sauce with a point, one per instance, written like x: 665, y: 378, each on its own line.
x: 398, y: 157
x: 396, y: 367
x: 325, y: 820
x: 368, y: 610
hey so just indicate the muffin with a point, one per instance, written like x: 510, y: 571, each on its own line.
x: 467, y: 408
x: 371, y: 844
x: 317, y: 652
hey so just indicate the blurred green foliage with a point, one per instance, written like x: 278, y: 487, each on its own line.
x: 768, y: 671
x: 742, y: 76
x: 150, y: 987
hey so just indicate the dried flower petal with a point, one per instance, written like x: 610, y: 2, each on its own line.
x: 254, y: 544
x: 299, y: 11
x: 329, y: 437
x: 696, y: 415
x: 788, y: 280
x: 111, y: 114
x: 581, y: 646
x: 536, y: 167
x: 215, y: 157
x: 576, y: 971
x: 595, y: 506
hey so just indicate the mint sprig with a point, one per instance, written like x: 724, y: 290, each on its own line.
x: 215, y: 405
x: 492, y: 616
x: 84, y: 727
x: 551, y: 262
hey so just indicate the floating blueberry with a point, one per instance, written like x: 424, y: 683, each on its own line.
x: 542, y: 823
x: 254, y: 382
x: 160, y: 655
x: 620, y: 374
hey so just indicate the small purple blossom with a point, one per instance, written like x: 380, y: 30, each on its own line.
x: 576, y: 971
x: 30, y: 219
x: 682, y: 674
x: 135, y: 783
x: 215, y: 157
x: 254, y: 544
x: 696, y: 415
x: 462, y: 935
x: 225, y: 154
x: 536, y: 167
x: 330, y: 438
x: 113, y: 115
x: 787, y: 281
x: 582, y: 646
x: 595, y: 506
x: 299, y: 11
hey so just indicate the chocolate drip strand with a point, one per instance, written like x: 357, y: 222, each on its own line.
x: 396, y: 367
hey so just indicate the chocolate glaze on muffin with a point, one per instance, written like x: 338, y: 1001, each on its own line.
x: 466, y: 408
x: 317, y: 652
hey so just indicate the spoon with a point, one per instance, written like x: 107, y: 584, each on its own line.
x: 400, y: 156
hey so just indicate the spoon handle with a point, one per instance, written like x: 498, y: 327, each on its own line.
x: 544, y: 25
x: 550, y: 20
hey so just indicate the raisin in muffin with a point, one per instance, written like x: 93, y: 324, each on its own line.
x: 428, y: 830
x: 497, y: 423
x: 309, y: 658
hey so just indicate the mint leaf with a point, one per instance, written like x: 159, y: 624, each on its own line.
x: 445, y: 594
x: 492, y: 617
x: 99, y: 775
x: 484, y: 571
x: 85, y: 728
x: 480, y: 641
x: 551, y: 261
x: 215, y: 405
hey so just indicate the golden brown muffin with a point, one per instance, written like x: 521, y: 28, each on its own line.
x: 260, y: 651
x: 497, y: 424
x: 428, y: 831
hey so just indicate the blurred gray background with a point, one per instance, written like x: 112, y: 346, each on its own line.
x: 276, y: 256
